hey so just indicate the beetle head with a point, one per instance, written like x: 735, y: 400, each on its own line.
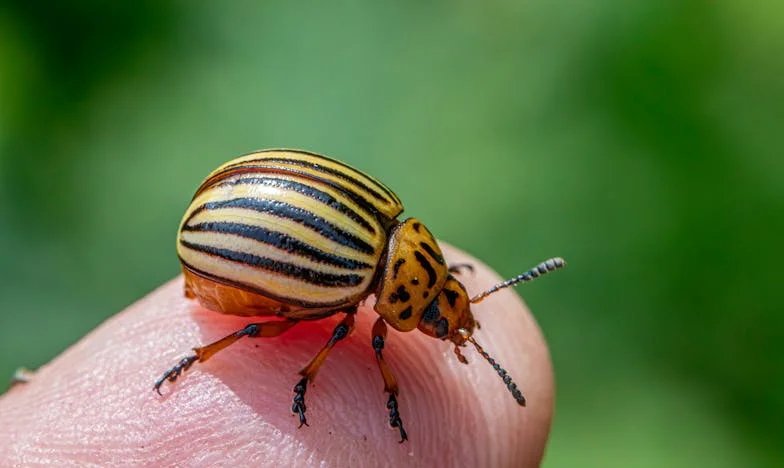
x: 448, y: 313
x: 449, y: 317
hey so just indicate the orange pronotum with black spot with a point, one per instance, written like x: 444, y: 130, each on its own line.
x: 300, y: 236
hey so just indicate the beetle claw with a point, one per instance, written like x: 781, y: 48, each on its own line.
x: 299, y: 407
x: 172, y: 374
x: 157, y: 386
x: 394, y: 417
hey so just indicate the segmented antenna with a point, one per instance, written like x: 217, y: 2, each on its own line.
x: 510, y: 385
x: 546, y: 266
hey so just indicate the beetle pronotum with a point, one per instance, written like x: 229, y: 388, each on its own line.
x: 300, y: 236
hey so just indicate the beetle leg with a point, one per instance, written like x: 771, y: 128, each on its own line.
x: 308, y: 373
x: 458, y: 267
x: 390, y: 384
x: 253, y: 330
x: 21, y: 376
x: 460, y: 356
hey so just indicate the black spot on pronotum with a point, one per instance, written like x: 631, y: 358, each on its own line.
x: 432, y: 252
x: 396, y: 267
x: 406, y: 314
x: 451, y: 296
x: 431, y: 273
x: 425, y: 294
x: 415, y: 281
x: 400, y: 295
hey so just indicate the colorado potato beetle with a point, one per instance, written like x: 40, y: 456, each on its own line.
x: 300, y: 236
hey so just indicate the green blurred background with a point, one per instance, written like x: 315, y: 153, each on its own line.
x: 642, y: 141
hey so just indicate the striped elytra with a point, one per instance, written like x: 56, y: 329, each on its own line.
x: 298, y: 228
x: 300, y: 236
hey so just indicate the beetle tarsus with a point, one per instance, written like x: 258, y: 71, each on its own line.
x: 299, y: 407
x: 308, y: 373
x: 21, y: 376
x: 172, y: 374
x: 394, y: 417
x: 390, y: 384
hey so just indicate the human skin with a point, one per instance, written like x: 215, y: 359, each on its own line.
x: 94, y: 404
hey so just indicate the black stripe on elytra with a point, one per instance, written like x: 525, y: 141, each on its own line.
x: 431, y: 273
x: 431, y: 251
x: 293, y: 213
x: 308, y: 191
x: 339, y: 163
x: 315, y: 306
x: 281, y: 241
x: 354, y: 196
x: 378, y: 184
x: 324, y: 170
x: 287, y: 269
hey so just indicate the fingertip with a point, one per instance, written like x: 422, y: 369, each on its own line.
x: 235, y: 407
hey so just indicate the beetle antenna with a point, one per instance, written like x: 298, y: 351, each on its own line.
x: 516, y: 393
x: 546, y: 266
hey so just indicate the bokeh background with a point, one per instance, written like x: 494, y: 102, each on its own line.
x: 642, y: 141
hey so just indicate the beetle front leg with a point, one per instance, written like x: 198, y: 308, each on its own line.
x: 253, y: 330
x: 308, y: 373
x: 460, y: 356
x: 390, y: 384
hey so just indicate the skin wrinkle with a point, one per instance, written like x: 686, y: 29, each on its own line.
x: 94, y: 404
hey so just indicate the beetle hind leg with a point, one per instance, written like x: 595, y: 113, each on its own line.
x: 308, y: 373
x: 390, y: 383
x: 253, y: 330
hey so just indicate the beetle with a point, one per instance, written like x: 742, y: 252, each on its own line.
x: 301, y: 236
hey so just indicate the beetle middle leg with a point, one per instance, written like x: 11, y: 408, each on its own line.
x: 308, y: 373
x: 253, y: 330
x: 390, y: 384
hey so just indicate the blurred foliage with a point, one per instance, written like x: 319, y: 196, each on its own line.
x: 642, y: 142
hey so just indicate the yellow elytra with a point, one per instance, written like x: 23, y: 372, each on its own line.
x: 300, y: 236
